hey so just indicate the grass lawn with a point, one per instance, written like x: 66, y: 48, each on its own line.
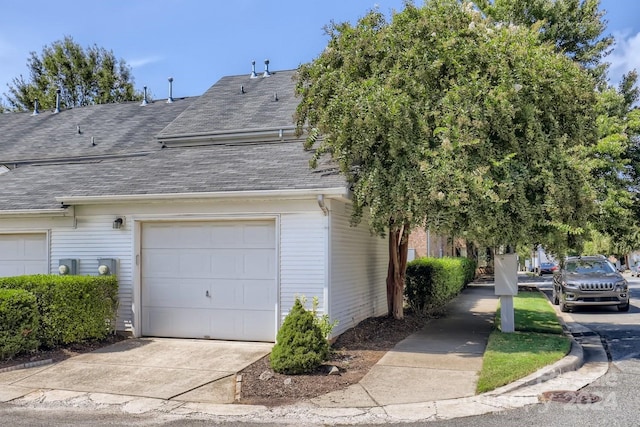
x: 537, y: 342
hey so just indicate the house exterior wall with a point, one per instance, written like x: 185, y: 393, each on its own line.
x: 302, y: 242
x: 318, y: 256
x: 427, y: 244
x: 93, y: 237
x: 358, y: 270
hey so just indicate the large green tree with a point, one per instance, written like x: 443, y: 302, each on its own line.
x: 576, y: 28
x: 83, y: 76
x: 441, y: 116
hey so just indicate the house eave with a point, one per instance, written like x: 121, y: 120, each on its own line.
x: 58, y: 212
x: 336, y: 193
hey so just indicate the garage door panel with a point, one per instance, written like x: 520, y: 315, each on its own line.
x: 259, y: 235
x: 20, y: 268
x: 243, y: 264
x: 159, y: 263
x: 158, y: 236
x: 234, y: 260
x: 258, y: 263
x: 244, y: 294
x: 176, y: 263
x: 229, y: 324
x: 23, y: 254
x: 176, y: 322
x: 182, y: 293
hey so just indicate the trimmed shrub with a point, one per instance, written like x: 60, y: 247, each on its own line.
x: 432, y: 282
x: 18, y: 322
x: 300, y: 344
x: 71, y: 308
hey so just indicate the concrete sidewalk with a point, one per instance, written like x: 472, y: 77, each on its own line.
x: 431, y: 375
x: 441, y: 361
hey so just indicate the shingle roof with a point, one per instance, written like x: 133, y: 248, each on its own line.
x: 219, y: 168
x: 115, y: 128
x: 127, y: 129
x: 225, y: 107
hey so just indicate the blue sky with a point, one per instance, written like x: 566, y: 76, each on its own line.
x: 198, y: 41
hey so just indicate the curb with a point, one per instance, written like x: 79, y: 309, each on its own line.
x: 27, y: 365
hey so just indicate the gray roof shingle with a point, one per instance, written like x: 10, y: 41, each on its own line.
x: 218, y: 168
x: 127, y: 159
x: 225, y: 107
x: 116, y: 129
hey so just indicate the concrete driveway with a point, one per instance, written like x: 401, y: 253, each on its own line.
x: 178, y: 369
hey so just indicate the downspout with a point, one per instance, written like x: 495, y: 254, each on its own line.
x: 326, y: 293
x: 324, y: 207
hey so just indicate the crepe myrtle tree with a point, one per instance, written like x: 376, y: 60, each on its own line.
x: 576, y: 28
x: 442, y: 117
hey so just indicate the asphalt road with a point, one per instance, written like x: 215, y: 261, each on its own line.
x: 619, y: 403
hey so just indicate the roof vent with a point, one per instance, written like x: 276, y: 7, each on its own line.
x: 275, y: 96
x: 57, y: 110
x: 242, y: 89
x: 266, y: 68
x: 253, y: 70
x: 35, y: 107
x: 78, y: 129
x: 170, y: 98
x: 144, y: 100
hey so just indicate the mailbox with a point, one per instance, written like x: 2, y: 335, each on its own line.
x: 506, y: 274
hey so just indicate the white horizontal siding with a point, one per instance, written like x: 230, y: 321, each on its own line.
x: 93, y: 238
x: 303, y: 239
x: 358, y: 270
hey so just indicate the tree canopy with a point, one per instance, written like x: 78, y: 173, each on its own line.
x: 443, y: 116
x: 575, y: 27
x: 83, y: 76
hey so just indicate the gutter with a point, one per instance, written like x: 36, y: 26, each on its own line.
x: 280, y: 133
x: 336, y: 193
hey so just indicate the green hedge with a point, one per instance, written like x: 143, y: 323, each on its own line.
x: 71, y: 308
x: 18, y: 322
x: 432, y: 282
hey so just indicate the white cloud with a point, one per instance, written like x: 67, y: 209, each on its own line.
x: 141, y: 62
x: 625, y: 56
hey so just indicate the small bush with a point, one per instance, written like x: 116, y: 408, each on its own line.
x: 432, y: 282
x: 18, y: 322
x: 300, y: 344
x: 72, y: 308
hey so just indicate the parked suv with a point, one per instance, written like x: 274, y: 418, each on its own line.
x: 589, y: 280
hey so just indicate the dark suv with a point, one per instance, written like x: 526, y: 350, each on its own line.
x: 589, y: 280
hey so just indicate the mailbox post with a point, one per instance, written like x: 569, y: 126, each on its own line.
x: 506, y: 286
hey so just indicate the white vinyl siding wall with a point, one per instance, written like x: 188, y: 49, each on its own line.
x: 93, y: 238
x: 358, y: 270
x: 302, y: 258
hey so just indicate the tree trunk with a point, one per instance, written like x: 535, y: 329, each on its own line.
x: 398, y: 253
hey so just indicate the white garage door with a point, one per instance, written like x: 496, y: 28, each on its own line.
x: 209, y: 280
x: 23, y: 254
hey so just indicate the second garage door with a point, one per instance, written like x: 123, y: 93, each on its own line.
x: 23, y: 254
x: 209, y: 280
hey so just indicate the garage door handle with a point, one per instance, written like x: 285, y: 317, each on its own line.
x: 207, y: 294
